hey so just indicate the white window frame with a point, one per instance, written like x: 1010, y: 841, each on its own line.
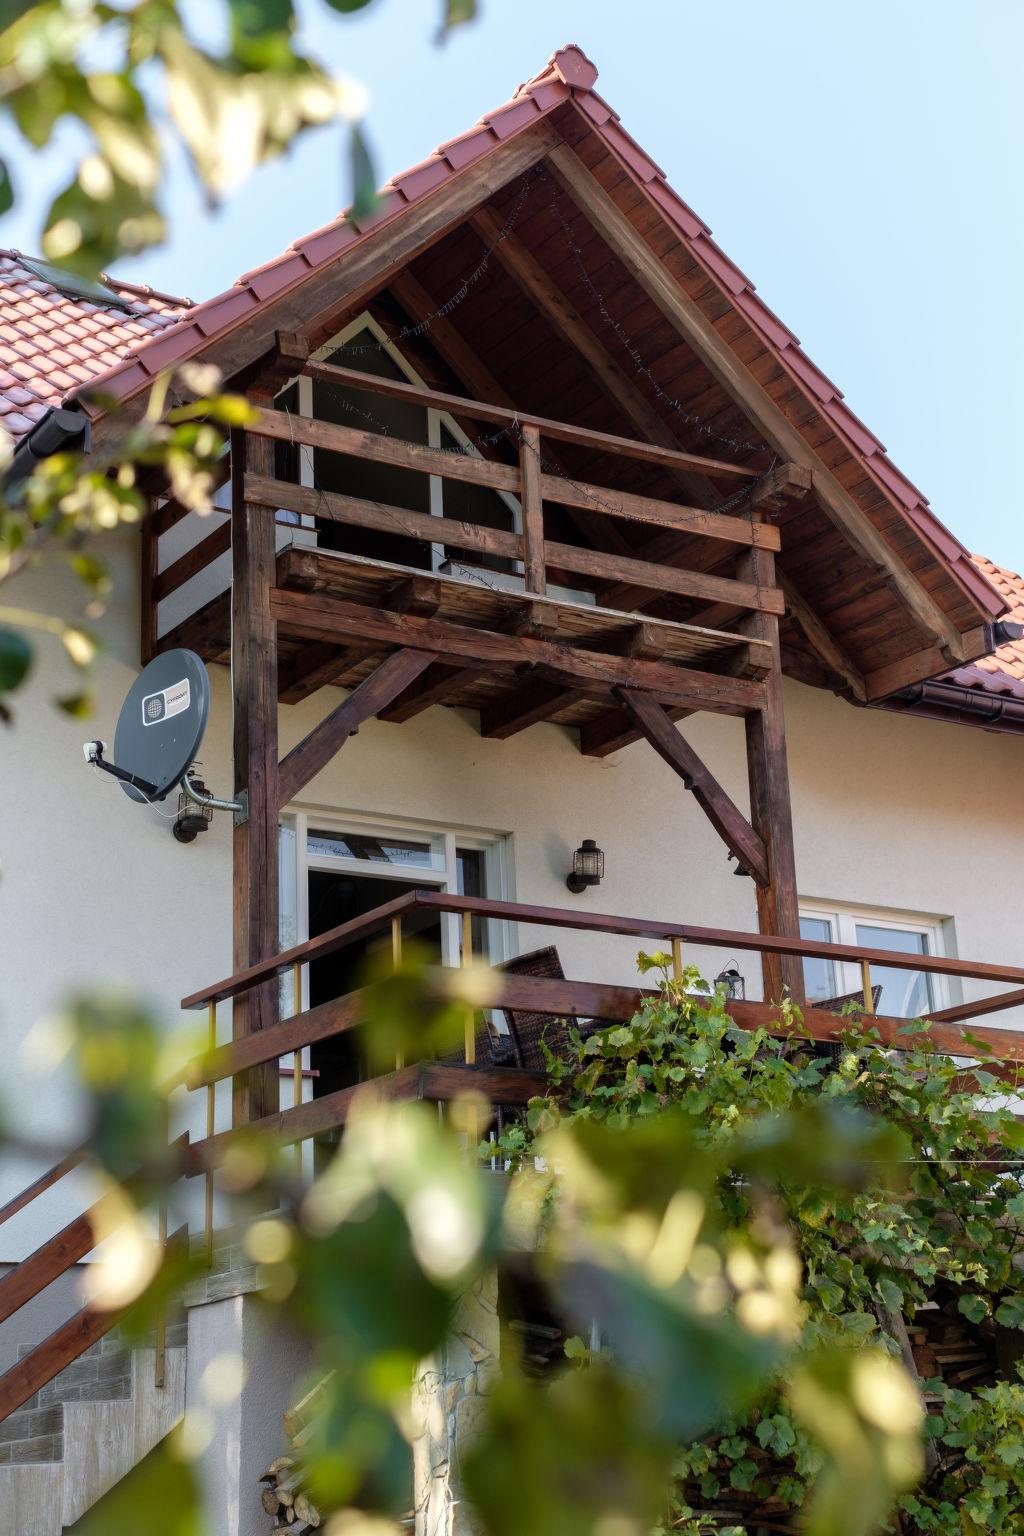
x: 843, y: 918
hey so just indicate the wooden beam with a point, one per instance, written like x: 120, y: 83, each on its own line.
x: 255, y: 838
x: 617, y: 729
x: 473, y: 537
x: 725, y: 366
x: 566, y: 321
x: 822, y: 642
x: 533, y: 511
x: 193, y: 561
x: 325, y: 740
x: 778, y: 908
x: 923, y: 664
x: 725, y: 816
x: 530, y: 705
x: 317, y: 666
x: 494, y: 404
x: 65, y: 1344
x: 316, y: 616
x: 435, y: 687
x: 149, y: 559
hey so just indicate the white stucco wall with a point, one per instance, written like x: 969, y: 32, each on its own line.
x: 889, y: 812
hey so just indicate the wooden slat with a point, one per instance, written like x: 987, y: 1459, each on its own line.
x: 314, y: 616
x: 996, y: 1004
x: 49, y: 1261
x: 665, y: 578
x: 659, y: 513
x: 193, y: 561
x: 469, y: 368
x: 326, y: 739
x: 533, y: 511
x: 741, y: 385
x: 49, y: 1358
x: 725, y: 816
x: 40, y: 1185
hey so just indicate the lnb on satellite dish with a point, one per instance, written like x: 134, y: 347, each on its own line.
x: 160, y: 727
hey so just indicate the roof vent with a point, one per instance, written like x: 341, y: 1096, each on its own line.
x: 72, y: 284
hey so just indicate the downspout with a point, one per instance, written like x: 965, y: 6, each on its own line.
x: 59, y: 431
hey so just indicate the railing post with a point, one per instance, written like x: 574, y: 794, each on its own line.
x: 677, y: 959
x: 396, y: 960
x: 297, y: 1053
x: 211, y: 1124
x: 472, y: 1124
x: 865, y: 977
x: 533, y: 510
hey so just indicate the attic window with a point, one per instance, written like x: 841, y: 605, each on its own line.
x: 72, y: 284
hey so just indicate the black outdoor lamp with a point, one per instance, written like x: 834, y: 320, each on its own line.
x: 731, y: 982
x: 587, y: 867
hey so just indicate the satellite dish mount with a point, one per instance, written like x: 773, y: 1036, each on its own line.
x: 159, y: 732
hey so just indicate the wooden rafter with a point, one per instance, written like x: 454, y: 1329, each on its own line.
x: 824, y: 644
x: 327, y: 738
x: 314, y: 667
x: 722, y: 362
x: 568, y: 323
x: 725, y: 816
x: 436, y: 685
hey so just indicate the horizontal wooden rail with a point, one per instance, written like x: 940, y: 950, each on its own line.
x: 502, y: 415
x: 605, y: 923
x: 433, y: 1081
x: 360, y: 444
x: 996, y: 1004
x: 474, y: 538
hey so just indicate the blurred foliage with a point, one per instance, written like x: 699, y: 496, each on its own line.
x: 230, y: 110
x: 732, y: 1221
x: 57, y: 512
x: 868, y: 1249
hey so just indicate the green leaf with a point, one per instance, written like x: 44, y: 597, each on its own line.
x: 457, y: 13
x: 364, y: 191
x: 6, y: 188
x: 15, y: 660
x: 347, y: 7
x: 1010, y: 1311
x: 974, y: 1308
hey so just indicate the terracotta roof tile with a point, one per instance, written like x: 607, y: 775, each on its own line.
x: 52, y: 342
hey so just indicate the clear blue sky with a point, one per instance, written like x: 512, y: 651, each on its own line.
x: 861, y: 162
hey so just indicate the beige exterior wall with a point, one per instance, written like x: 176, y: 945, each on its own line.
x: 889, y: 812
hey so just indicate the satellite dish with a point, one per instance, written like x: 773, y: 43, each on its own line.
x: 161, y: 725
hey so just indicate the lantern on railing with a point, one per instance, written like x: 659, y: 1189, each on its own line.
x: 730, y: 983
x: 587, y: 867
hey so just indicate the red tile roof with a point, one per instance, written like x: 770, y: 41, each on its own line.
x: 122, y: 353
x: 1003, y: 671
x: 52, y: 343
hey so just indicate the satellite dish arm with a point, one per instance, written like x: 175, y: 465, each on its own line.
x: 94, y: 755
x: 201, y: 797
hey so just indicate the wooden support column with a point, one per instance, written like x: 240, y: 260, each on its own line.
x: 778, y: 908
x: 255, y: 1094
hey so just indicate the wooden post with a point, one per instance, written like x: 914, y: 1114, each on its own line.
x: 149, y: 560
x: 211, y: 1126
x: 254, y: 676
x: 533, y: 510
x: 771, y: 815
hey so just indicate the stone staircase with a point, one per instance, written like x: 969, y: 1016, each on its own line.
x: 85, y: 1430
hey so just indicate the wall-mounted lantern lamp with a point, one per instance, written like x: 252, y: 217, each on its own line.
x: 192, y: 818
x: 587, y: 867
x: 731, y: 982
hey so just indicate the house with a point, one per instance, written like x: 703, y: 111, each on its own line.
x: 537, y: 477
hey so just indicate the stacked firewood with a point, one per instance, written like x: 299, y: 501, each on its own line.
x: 282, y: 1496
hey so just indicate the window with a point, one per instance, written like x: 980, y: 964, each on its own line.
x: 905, y: 994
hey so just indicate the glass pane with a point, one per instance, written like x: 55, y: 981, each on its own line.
x: 380, y: 849
x: 905, y: 994
x: 469, y: 881
x: 819, y: 975
x: 474, y: 504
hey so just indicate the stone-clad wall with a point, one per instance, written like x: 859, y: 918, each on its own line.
x: 447, y: 1403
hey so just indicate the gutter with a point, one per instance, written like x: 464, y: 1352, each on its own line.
x: 60, y: 431
x: 938, y: 699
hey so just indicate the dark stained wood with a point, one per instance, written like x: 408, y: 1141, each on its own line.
x: 823, y: 644
x: 434, y: 687
x: 530, y: 705
x: 326, y: 739
x: 1014, y: 999
x: 254, y: 684
x: 315, y: 667
x: 683, y: 583
x: 193, y: 561
x: 40, y: 1185
x: 533, y: 510
x: 742, y: 386
x: 631, y: 927
x: 318, y: 617
x: 724, y: 815
x: 49, y: 1358
x: 920, y: 665
x: 778, y: 906
x: 149, y: 558
x: 48, y: 1261
x: 617, y: 729
x: 494, y: 405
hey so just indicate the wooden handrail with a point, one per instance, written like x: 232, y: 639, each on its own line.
x: 590, y: 922
x: 562, y: 431
x: 44, y: 1182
